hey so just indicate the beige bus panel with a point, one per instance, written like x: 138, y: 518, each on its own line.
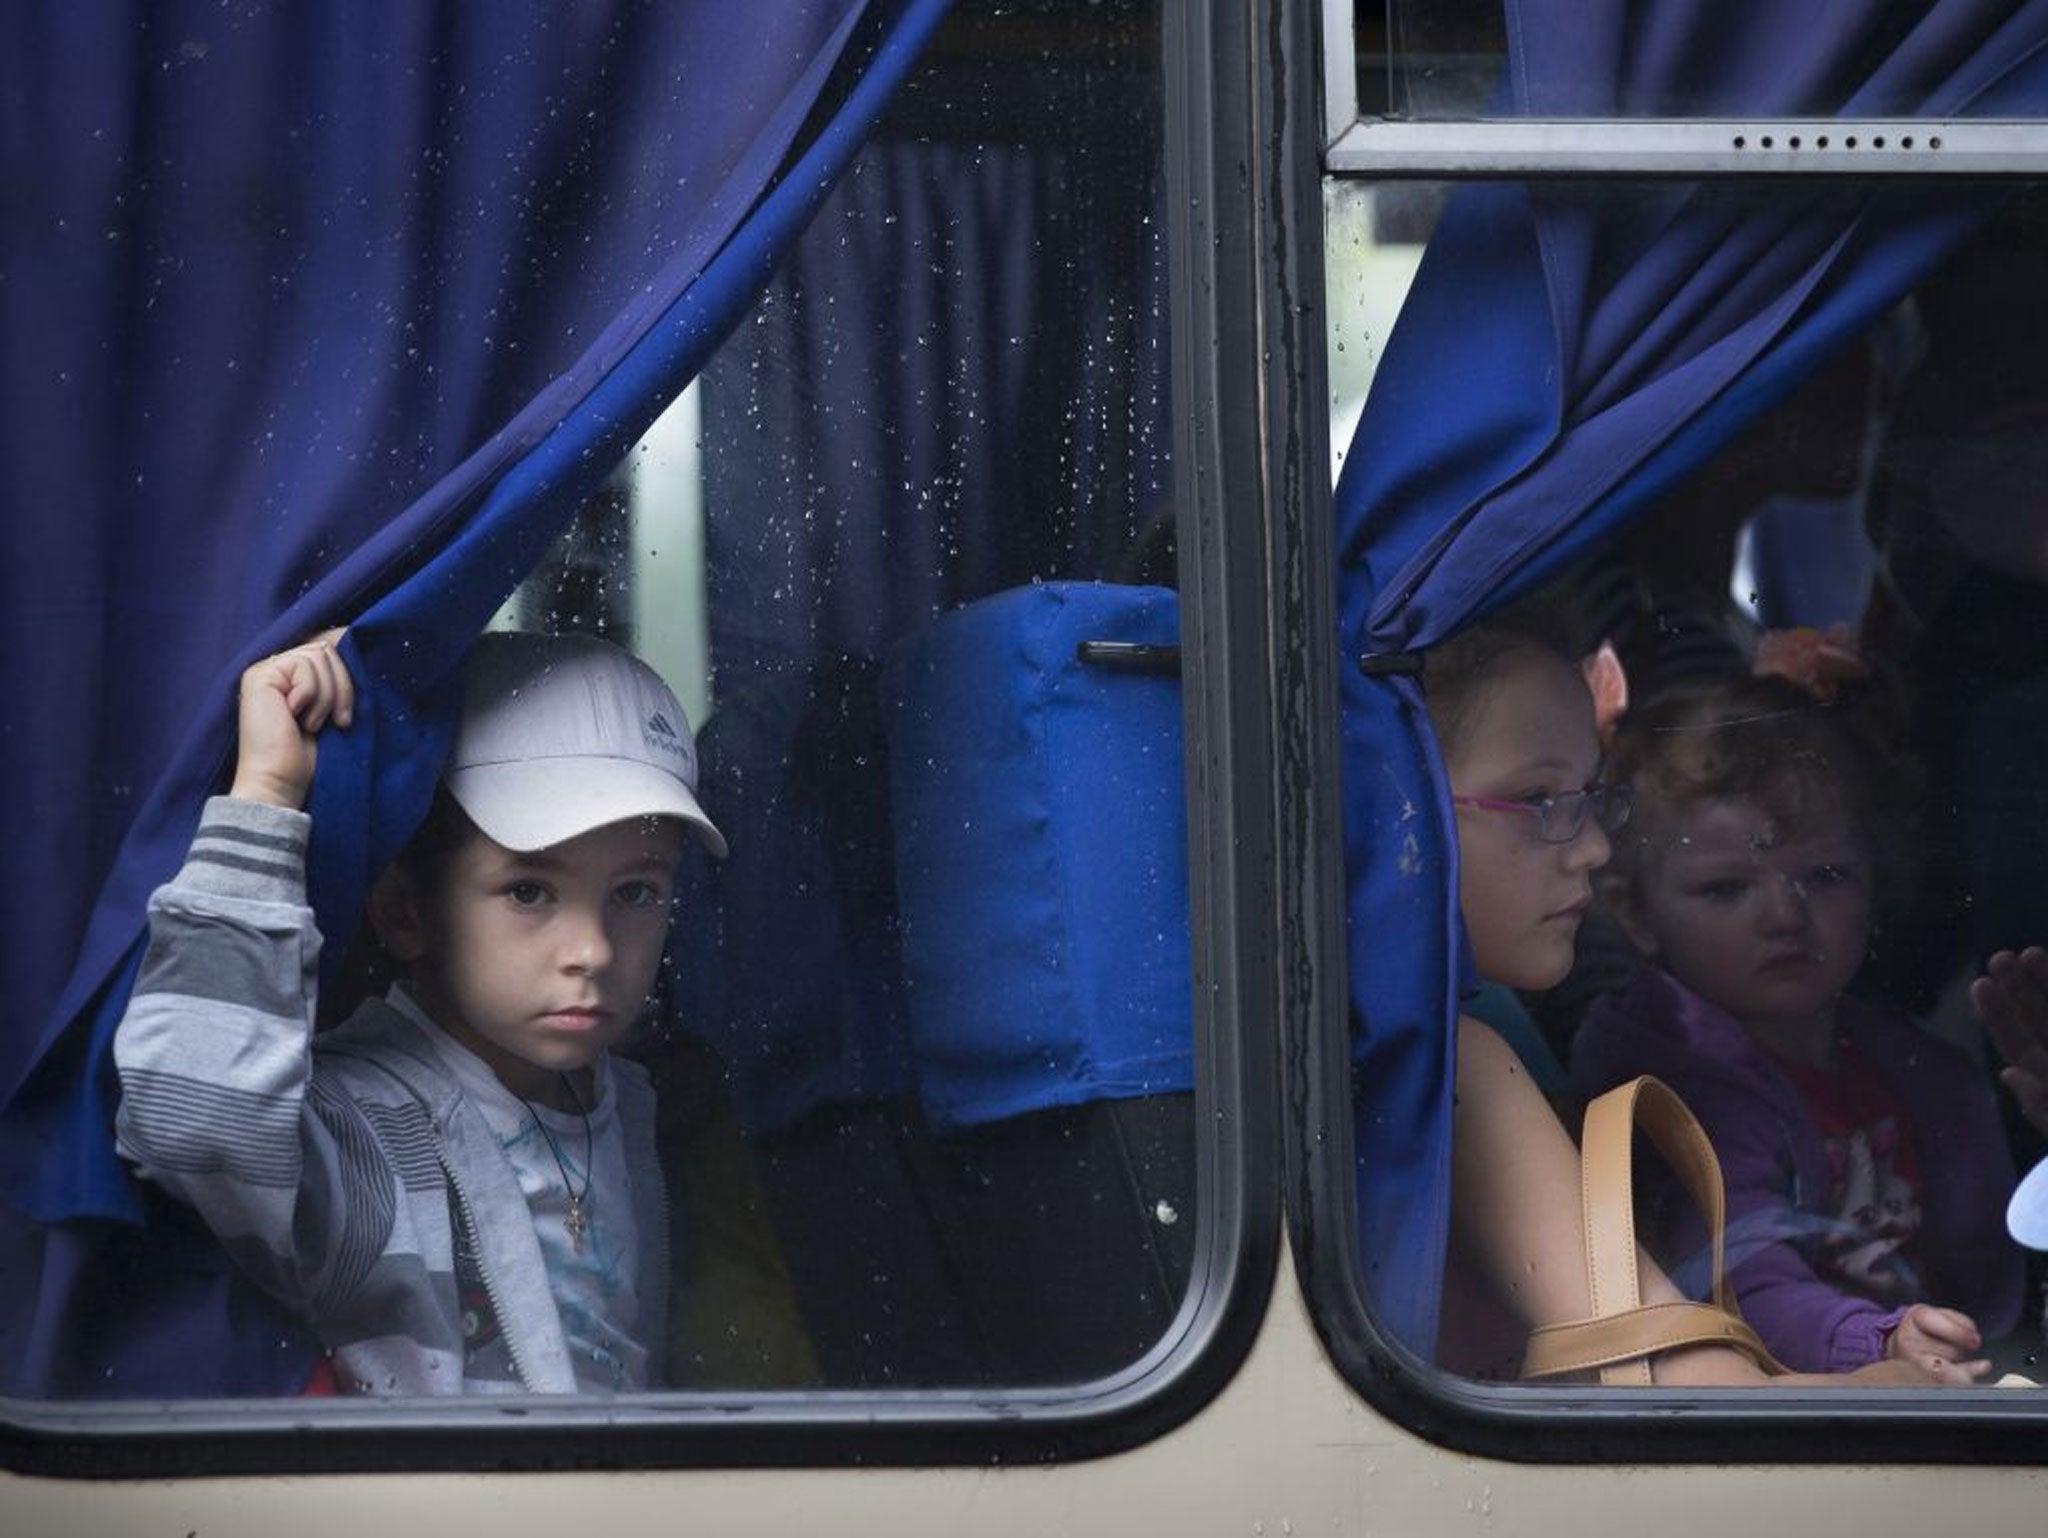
x: 1286, y: 1451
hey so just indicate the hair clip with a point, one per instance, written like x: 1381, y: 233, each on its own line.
x: 1818, y: 661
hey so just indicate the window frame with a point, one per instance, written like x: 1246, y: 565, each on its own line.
x: 1549, y: 1423
x: 1642, y: 149
x: 1216, y: 105
x: 1649, y: 147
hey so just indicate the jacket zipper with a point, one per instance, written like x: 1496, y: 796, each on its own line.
x: 662, y: 1372
x: 483, y: 1270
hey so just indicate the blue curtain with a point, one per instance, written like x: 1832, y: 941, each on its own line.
x: 1566, y: 353
x: 332, y: 312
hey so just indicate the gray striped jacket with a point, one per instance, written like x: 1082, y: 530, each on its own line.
x: 349, y: 1177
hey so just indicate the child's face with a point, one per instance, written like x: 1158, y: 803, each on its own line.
x: 1530, y: 735
x: 1767, y: 921
x: 538, y: 962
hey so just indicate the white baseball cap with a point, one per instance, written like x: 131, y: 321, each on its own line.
x: 563, y: 734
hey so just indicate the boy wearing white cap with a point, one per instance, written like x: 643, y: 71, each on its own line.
x: 457, y: 1188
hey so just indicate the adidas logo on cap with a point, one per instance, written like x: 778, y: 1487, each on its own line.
x: 662, y: 734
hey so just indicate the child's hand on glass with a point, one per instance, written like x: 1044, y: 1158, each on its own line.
x: 286, y: 699
x: 1939, y: 1339
x: 2011, y: 998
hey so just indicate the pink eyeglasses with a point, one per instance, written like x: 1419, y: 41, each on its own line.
x: 1561, y: 818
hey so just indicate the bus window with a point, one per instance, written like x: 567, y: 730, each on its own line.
x: 1751, y: 453
x: 925, y: 1043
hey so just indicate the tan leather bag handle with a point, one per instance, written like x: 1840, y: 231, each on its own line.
x: 1624, y: 1332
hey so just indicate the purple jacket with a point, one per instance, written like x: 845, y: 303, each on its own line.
x: 1776, y: 1167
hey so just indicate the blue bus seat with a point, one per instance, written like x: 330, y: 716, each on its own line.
x: 1040, y: 826
x: 1041, y: 850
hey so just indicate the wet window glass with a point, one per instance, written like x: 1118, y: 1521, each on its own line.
x: 907, y: 554
x: 1417, y: 59
x: 1739, y: 749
